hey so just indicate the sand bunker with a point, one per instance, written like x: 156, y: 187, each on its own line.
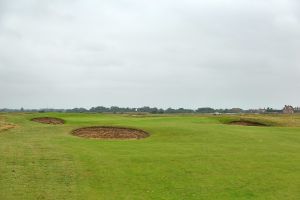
x: 246, y: 123
x: 105, y: 132
x: 48, y: 120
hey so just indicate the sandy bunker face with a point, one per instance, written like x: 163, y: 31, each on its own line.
x: 48, y: 120
x: 246, y: 123
x: 105, y: 132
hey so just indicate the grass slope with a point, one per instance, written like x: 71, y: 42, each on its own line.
x: 186, y: 157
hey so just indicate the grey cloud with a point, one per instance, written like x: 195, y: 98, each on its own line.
x: 158, y: 53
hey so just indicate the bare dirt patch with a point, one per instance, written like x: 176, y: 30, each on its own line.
x: 106, y: 132
x: 246, y: 123
x: 4, y: 127
x: 48, y: 120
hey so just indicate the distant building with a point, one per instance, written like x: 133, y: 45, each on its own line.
x: 262, y: 110
x: 236, y: 110
x: 217, y: 113
x: 288, y: 109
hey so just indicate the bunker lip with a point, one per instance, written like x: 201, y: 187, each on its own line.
x: 110, y: 132
x: 246, y: 123
x: 48, y: 120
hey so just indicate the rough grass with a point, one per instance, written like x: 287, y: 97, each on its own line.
x: 186, y: 157
x: 268, y: 119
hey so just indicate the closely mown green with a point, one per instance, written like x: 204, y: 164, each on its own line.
x: 187, y: 157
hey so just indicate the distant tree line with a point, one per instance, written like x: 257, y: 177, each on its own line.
x: 145, y: 109
x: 297, y: 109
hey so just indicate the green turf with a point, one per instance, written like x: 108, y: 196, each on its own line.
x: 186, y: 157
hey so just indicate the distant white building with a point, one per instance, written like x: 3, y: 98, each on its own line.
x: 288, y: 109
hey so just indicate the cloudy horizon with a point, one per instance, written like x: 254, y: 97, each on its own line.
x: 128, y: 53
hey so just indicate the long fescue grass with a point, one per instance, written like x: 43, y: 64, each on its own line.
x: 186, y: 157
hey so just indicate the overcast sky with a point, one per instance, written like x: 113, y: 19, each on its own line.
x: 163, y: 53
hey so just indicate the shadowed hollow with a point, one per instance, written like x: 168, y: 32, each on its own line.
x: 246, y: 123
